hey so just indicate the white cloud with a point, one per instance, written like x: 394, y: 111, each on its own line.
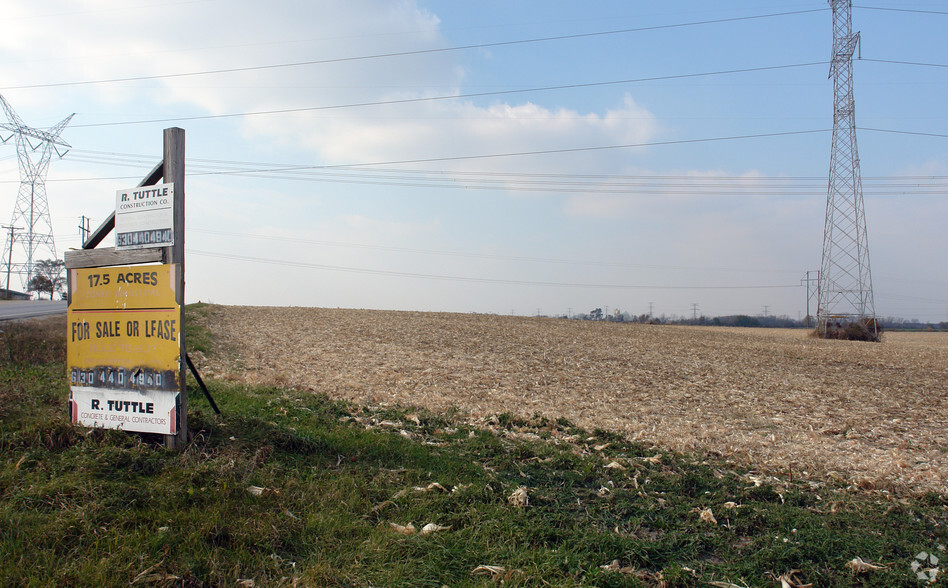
x: 464, y: 129
x: 98, y: 42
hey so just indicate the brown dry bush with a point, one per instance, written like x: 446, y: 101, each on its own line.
x: 35, y: 341
x: 865, y: 330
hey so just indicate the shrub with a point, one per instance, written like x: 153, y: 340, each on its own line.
x: 862, y: 330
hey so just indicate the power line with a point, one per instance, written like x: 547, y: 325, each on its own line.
x: 470, y: 95
x: 689, y: 179
x: 585, y: 263
x: 412, y: 53
x: 318, y: 266
x: 584, y: 149
x: 522, y: 181
x: 916, y: 133
x: 286, y: 169
x: 909, y: 10
x: 697, y: 190
x: 625, y: 188
x: 451, y: 96
x: 916, y: 63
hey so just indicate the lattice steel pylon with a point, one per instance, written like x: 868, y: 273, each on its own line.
x: 31, y: 212
x: 845, y: 279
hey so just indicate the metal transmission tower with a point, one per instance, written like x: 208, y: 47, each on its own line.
x: 31, y: 212
x: 845, y: 282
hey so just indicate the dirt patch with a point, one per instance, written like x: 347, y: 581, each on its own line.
x: 876, y: 414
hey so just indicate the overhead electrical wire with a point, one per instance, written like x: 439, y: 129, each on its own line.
x: 937, y: 186
x: 223, y: 165
x: 631, y: 185
x: 412, y: 53
x: 357, y: 270
x: 410, y: 250
x: 443, y: 97
x: 289, y: 169
x: 285, y: 169
x: 896, y: 132
x: 908, y: 10
x: 585, y: 149
x: 892, y: 61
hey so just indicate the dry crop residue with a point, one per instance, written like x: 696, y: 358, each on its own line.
x: 876, y: 414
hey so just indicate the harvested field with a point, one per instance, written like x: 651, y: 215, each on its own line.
x: 776, y: 400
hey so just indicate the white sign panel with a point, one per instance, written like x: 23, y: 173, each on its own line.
x: 144, y: 411
x: 144, y: 217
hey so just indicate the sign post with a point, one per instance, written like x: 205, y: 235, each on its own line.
x: 125, y: 341
x: 173, y: 172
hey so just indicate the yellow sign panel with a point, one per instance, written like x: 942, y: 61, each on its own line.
x: 124, y: 339
x: 124, y: 348
x: 122, y: 288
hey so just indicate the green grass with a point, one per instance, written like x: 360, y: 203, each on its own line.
x: 81, y: 507
x: 198, y: 336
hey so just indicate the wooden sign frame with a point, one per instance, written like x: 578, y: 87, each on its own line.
x: 172, y: 171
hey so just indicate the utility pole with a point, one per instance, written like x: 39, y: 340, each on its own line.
x: 845, y: 291
x: 812, y: 286
x: 694, y: 309
x: 766, y: 308
x: 10, y: 250
x: 84, y: 227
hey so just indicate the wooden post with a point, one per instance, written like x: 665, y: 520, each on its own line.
x: 173, y: 172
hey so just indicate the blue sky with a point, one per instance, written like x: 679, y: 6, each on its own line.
x: 623, y: 164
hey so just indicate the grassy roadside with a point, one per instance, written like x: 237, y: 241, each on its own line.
x: 292, y: 488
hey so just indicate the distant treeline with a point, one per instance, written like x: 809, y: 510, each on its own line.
x: 743, y: 320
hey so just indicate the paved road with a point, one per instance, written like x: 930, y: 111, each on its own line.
x: 17, y: 309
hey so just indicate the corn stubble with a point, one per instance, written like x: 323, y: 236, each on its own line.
x: 871, y: 414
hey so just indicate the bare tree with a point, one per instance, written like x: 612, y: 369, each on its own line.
x: 49, y: 275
